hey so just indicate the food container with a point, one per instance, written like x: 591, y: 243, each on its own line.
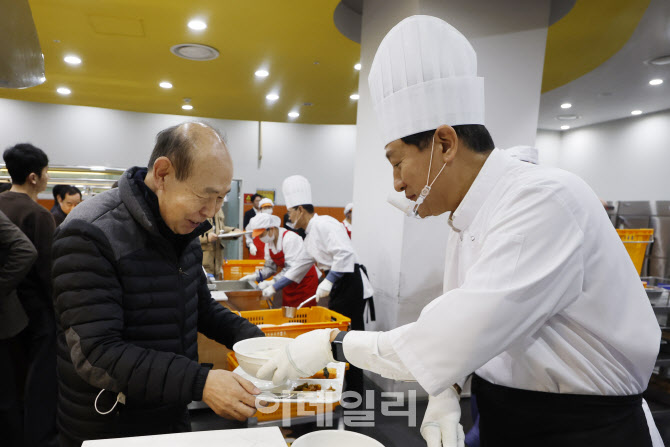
x: 242, y: 295
x: 253, y: 353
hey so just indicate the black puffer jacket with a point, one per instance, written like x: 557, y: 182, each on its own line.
x: 128, y: 310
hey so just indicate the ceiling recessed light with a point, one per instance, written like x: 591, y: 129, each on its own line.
x: 636, y: 112
x: 72, y: 59
x: 661, y: 60
x: 355, y: 96
x: 565, y: 127
x: 293, y: 114
x: 566, y: 105
x: 165, y: 84
x: 357, y: 66
x: 195, y: 52
x: 656, y: 82
x: 43, y: 79
x: 567, y: 117
x: 63, y: 90
x: 187, y: 107
x: 262, y: 73
x: 272, y: 97
x: 197, y: 25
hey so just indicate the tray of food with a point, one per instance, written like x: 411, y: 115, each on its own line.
x: 313, y: 390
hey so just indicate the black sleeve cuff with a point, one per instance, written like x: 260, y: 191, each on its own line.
x: 199, y: 382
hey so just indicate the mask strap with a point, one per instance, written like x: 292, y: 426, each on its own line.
x: 426, y: 189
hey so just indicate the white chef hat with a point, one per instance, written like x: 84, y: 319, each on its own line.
x: 297, y: 191
x: 261, y: 222
x: 424, y: 74
x: 523, y: 153
x: 349, y: 207
x: 265, y: 203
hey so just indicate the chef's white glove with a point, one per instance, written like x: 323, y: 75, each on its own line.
x: 252, y: 277
x: 269, y: 292
x: 303, y: 357
x: 265, y: 284
x: 441, y: 424
x: 324, y: 289
x: 252, y: 249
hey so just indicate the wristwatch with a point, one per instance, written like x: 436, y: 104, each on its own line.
x: 337, y: 348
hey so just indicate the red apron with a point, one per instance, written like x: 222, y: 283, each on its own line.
x: 260, y: 249
x: 296, y: 293
x: 347, y: 230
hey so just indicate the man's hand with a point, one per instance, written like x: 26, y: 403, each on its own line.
x: 269, y: 292
x: 303, y: 357
x: 441, y: 424
x: 324, y: 289
x: 211, y: 237
x: 230, y: 395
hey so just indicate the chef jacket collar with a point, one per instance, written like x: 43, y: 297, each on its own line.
x: 493, y: 169
x: 309, y: 225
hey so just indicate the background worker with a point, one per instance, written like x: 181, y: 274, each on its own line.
x: 266, y: 206
x: 212, y: 245
x: 255, y: 251
x: 328, y: 246
x: 282, y: 248
x: 67, y: 197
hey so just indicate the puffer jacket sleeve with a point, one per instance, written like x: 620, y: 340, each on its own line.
x: 88, y: 302
x: 219, y: 323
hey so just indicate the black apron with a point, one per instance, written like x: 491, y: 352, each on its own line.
x: 346, y: 298
x: 514, y: 417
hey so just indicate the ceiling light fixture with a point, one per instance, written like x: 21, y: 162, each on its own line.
x: 43, y: 79
x: 187, y: 107
x: 165, y: 84
x: 357, y: 66
x: 63, y: 90
x: 197, y: 25
x: 355, y: 96
x: 262, y: 73
x: 567, y: 117
x: 636, y: 112
x: 565, y: 127
x: 72, y: 59
x: 656, y: 82
x: 272, y: 97
x: 661, y: 60
x: 195, y: 52
x: 293, y: 114
x: 566, y: 105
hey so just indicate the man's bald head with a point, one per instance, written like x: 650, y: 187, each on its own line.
x: 185, y: 142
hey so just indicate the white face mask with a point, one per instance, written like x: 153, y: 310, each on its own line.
x: 267, y: 239
x: 412, y: 208
x: 266, y: 210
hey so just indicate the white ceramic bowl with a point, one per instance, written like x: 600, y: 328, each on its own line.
x: 253, y: 353
x: 335, y: 438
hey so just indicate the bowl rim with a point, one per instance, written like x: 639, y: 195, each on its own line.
x: 284, y: 341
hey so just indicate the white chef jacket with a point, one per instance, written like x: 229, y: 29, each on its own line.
x: 288, y: 242
x: 540, y: 294
x: 326, y: 244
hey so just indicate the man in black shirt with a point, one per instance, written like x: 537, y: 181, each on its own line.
x: 28, y: 166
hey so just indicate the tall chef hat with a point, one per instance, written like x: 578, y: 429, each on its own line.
x: 261, y: 222
x: 297, y: 191
x: 424, y: 74
x: 523, y: 153
x: 349, y: 207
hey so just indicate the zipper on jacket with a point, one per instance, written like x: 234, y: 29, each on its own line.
x: 182, y: 294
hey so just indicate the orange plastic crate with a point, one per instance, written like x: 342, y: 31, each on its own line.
x: 636, y: 242
x: 315, y: 317
x: 294, y: 410
x: 234, y: 269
